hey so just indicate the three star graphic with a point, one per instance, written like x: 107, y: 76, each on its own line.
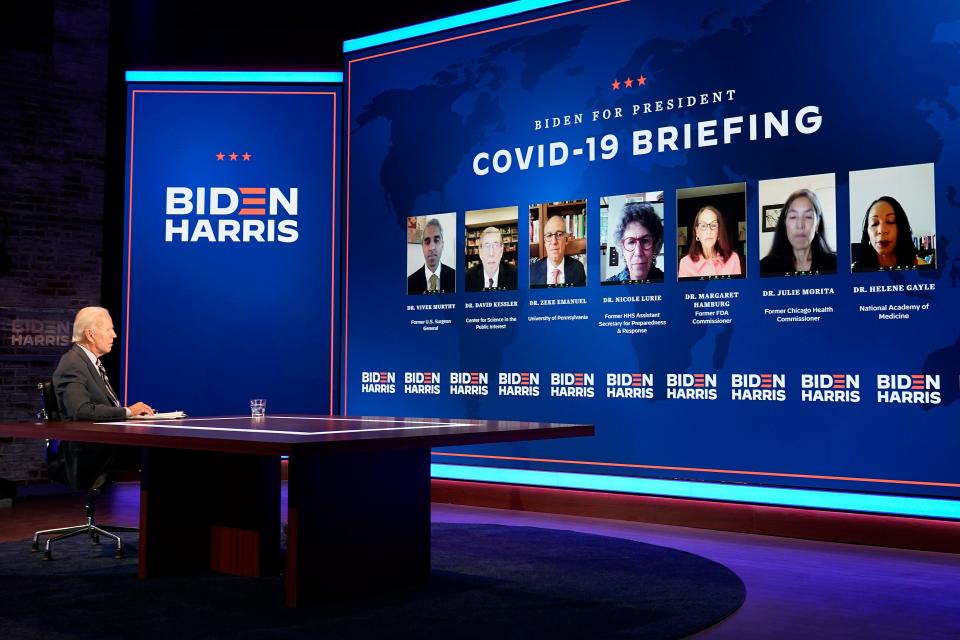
x: 629, y: 82
x: 233, y: 156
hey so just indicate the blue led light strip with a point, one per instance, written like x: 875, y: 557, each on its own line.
x: 235, y: 76
x: 834, y: 500
x: 451, y: 22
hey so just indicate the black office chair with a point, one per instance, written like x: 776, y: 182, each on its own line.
x: 68, y: 464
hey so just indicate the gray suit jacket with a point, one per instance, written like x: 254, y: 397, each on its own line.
x: 81, y: 393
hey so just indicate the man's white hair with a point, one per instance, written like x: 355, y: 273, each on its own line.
x: 87, y: 318
x: 490, y: 231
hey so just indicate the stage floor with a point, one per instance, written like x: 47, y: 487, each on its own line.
x: 796, y: 589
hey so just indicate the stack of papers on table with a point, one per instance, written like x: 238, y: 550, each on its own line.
x: 169, y: 415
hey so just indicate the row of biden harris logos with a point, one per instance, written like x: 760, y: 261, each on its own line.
x: 884, y: 388
x: 889, y: 224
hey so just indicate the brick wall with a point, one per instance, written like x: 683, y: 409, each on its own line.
x: 53, y: 106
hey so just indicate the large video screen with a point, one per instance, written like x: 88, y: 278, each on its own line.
x: 720, y: 233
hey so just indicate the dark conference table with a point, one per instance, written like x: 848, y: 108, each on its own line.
x: 358, y: 493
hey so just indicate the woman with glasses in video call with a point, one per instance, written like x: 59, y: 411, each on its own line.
x: 710, y: 252
x: 640, y: 237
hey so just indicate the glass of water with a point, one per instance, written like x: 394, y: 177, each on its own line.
x: 258, y: 407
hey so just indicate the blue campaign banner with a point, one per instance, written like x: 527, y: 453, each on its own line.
x: 230, y: 266
x: 722, y: 233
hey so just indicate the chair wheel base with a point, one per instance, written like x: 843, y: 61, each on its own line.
x: 35, y: 547
x: 119, y: 554
x: 47, y: 555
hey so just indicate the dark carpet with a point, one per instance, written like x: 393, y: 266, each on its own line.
x: 489, y: 581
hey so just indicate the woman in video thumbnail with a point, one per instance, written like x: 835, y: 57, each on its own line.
x: 799, y: 242
x: 640, y: 236
x: 887, y: 239
x: 710, y: 253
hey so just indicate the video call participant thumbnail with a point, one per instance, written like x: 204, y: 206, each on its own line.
x: 433, y: 276
x: 887, y: 239
x: 882, y: 233
x: 799, y: 239
x: 556, y: 268
x: 491, y: 272
x: 640, y: 238
x: 710, y: 250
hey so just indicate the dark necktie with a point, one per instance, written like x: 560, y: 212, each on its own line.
x: 106, y: 382
x: 490, y: 283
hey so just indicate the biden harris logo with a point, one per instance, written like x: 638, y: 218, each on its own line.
x: 519, y: 383
x: 226, y: 214
x: 421, y: 383
x: 758, y: 386
x: 692, y: 386
x: 378, y: 382
x: 630, y: 385
x: 469, y: 383
x: 571, y: 385
x: 908, y: 388
x: 829, y: 387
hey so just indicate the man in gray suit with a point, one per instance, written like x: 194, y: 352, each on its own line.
x: 83, y: 389
x: 556, y: 268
